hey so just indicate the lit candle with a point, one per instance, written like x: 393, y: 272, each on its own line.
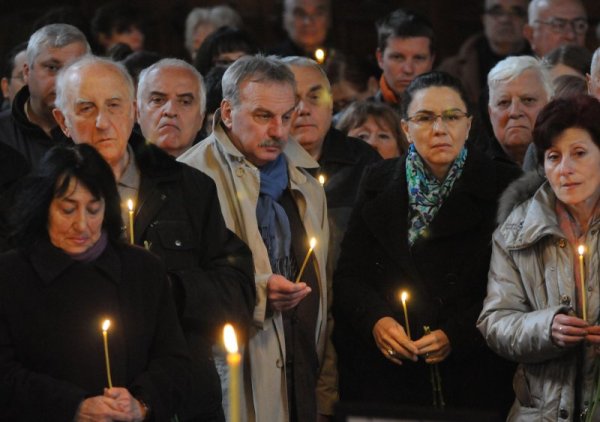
x: 130, y: 206
x: 105, y: 327
x: 322, y: 180
x: 320, y: 55
x: 313, y: 243
x: 404, y: 297
x: 233, y: 361
x: 581, y: 251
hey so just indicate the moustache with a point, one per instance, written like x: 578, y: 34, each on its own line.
x: 271, y: 143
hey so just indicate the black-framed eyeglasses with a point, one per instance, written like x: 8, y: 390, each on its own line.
x: 513, y: 12
x: 561, y: 26
x: 448, y: 117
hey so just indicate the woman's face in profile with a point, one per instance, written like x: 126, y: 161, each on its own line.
x: 572, y: 166
x: 438, y: 125
x: 75, y: 219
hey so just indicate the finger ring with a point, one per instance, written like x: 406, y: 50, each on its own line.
x: 391, y: 352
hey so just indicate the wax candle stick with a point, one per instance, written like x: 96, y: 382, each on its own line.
x: 131, y: 236
x: 404, y: 297
x: 105, y: 327
x: 313, y: 243
x: 581, y: 251
x: 234, y: 359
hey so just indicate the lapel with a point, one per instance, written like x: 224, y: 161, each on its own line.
x: 151, y: 200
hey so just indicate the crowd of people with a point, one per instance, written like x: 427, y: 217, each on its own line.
x: 421, y: 237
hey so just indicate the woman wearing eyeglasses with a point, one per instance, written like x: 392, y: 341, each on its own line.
x: 423, y: 224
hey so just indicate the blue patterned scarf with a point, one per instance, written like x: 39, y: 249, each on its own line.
x: 425, y: 193
x: 273, y: 222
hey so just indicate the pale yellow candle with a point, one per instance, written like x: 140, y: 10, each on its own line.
x: 130, y: 206
x: 581, y: 251
x: 105, y: 327
x: 234, y: 359
x: 320, y: 55
x: 313, y: 243
x: 322, y: 180
x: 404, y: 297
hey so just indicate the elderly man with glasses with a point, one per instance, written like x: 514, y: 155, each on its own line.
x: 553, y: 23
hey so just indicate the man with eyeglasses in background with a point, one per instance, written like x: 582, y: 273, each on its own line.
x: 553, y: 23
x: 502, y: 36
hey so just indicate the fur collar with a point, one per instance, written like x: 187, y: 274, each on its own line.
x: 518, y: 192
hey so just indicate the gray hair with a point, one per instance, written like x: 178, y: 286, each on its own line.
x: 80, y: 64
x: 176, y: 64
x: 510, y: 68
x: 218, y: 16
x: 307, y: 63
x: 595, y: 62
x: 257, y: 68
x: 533, y: 11
x: 56, y: 35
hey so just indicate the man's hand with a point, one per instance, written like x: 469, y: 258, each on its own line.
x: 283, y: 294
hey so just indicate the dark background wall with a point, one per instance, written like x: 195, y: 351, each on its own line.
x: 352, y: 30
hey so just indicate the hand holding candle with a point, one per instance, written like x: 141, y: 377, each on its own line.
x: 233, y: 360
x: 581, y: 251
x: 403, y: 298
x: 105, y: 327
x: 313, y: 243
x: 131, y: 236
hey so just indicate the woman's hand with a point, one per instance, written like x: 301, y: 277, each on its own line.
x: 568, y: 331
x: 393, y: 342
x: 100, y: 409
x: 435, y: 346
x: 126, y: 403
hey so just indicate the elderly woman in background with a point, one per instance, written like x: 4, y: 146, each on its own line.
x: 519, y: 86
x: 377, y: 124
x: 70, y: 272
x: 422, y: 224
x: 541, y: 310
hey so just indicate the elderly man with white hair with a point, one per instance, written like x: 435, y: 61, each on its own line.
x: 171, y: 100
x: 176, y: 216
x: 519, y: 87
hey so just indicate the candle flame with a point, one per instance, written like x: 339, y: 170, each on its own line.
x: 403, y: 297
x: 321, y: 179
x: 130, y: 204
x: 313, y: 242
x: 106, y: 325
x: 320, y: 55
x: 230, y: 339
x: 581, y: 250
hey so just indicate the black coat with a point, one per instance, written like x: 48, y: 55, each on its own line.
x: 445, y: 275
x: 178, y: 217
x: 28, y: 139
x: 51, y: 348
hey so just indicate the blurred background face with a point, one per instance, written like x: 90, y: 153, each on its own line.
x: 503, y: 22
x: 75, y: 219
x: 132, y: 36
x: 377, y: 134
x: 169, y: 109
x: 403, y: 60
x: 307, y: 22
x: 572, y: 166
x: 437, y: 142
x: 12, y: 85
x: 556, y: 25
x: 315, y: 109
x: 513, y: 108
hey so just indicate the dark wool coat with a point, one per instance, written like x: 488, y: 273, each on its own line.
x: 178, y: 217
x: 51, y: 347
x: 445, y: 275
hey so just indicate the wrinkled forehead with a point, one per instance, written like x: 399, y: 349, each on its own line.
x: 99, y: 80
x: 564, y: 9
x: 170, y: 80
x: 276, y: 97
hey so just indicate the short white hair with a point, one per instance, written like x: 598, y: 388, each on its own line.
x: 595, y: 62
x: 511, y: 67
x: 533, y: 10
x: 218, y: 16
x: 84, y: 62
x: 172, y: 63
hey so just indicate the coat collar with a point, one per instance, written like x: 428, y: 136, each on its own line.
x: 49, y: 262
x: 335, y: 149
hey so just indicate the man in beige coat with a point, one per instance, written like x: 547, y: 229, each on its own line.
x: 269, y: 199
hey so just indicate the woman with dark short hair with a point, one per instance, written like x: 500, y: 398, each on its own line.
x: 70, y: 272
x: 542, y: 305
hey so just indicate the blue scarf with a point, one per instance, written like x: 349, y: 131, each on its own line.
x: 425, y: 193
x: 273, y: 222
